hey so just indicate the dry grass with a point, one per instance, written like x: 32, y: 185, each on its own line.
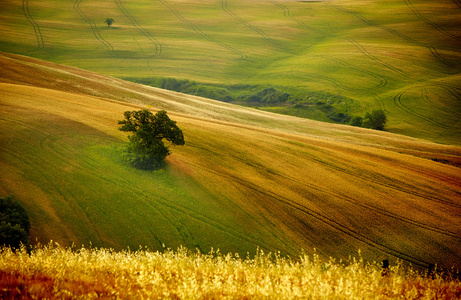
x: 54, y: 272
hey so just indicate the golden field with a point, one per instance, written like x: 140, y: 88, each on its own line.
x: 244, y: 179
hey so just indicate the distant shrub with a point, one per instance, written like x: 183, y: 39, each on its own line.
x: 375, y: 120
x: 14, y: 223
x: 356, y: 121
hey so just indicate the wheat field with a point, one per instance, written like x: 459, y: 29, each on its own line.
x: 55, y: 272
x: 244, y: 179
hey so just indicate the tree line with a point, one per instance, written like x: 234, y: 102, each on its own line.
x: 335, y: 108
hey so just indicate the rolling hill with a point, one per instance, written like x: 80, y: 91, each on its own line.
x: 245, y: 178
x: 401, y: 56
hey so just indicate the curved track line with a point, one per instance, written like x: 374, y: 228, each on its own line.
x: 359, y: 47
x: 38, y: 33
x: 398, y: 102
x: 427, y: 21
x: 396, y: 33
x: 286, y: 13
x: 200, y: 32
x: 154, y: 41
x: 379, y: 61
x: 113, y: 178
x: 60, y: 189
x: 254, y: 28
x: 377, y: 209
x: 458, y: 3
x: 389, y: 183
x: 382, y: 81
x: 319, y: 216
x: 94, y: 28
x: 330, y: 222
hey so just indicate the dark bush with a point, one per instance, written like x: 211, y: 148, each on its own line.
x: 14, y: 223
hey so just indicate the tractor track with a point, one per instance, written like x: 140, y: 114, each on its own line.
x: 265, y: 36
x: 377, y: 60
x: 160, y: 204
x: 59, y: 187
x: 427, y: 21
x: 457, y: 2
x: 237, y: 180
x: 154, y: 41
x: 375, y: 209
x: 398, y: 102
x: 38, y: 33
x: 382, y: 81
x: 286, y: 12
x: 388, y: 183
x: 324, y: 219
x: 94, y: 28
x: 242, y: 55
x: 433, y: 51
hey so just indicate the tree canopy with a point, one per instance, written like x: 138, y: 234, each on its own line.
x: 14, y: 223
x: 146, y: 149
x: 109, y: 21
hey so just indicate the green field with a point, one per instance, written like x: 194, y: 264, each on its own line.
x: 400, y: 56
x: 245, y: 178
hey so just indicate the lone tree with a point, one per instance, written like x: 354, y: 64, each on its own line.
x: 109, y: 21
x: 146, y: 149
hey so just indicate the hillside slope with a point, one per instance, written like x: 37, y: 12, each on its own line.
x: 244, y: 179
x: 400, y: 56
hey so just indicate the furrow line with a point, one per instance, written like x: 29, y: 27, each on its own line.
x: 386, y: 184
x: 238, y: 185
x: 433, y: 51
x: 379, y: 61
x: 38, y: 33
x: 161, y: 201
x: 376, y: 209
x: 154, y: 41
x: 254, y: 28
x: 332, y: 223
x: 359, y: 47
x: 286, y: 13
x: 94, y: 28
x: 398, y: 102
x: 427, y: 21
x: 59, y: 188
x: 382, y: 81
x: 458, y: 3
x: 322, y: 218
x: 200, y: 32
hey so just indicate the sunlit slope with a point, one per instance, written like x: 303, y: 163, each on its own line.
x: 401, y: 56
x: 244, y: 178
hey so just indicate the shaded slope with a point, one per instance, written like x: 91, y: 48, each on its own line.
x: 244, y: 178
